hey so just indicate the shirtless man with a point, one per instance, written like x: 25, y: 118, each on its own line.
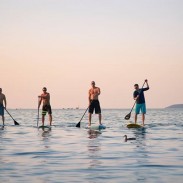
x: 45, y: 98
x: 2, y: 107
x: 94, y: 103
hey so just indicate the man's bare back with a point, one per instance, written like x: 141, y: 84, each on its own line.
x: 2, y: 98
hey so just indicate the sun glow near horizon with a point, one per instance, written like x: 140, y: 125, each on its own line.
x: 64, y: 45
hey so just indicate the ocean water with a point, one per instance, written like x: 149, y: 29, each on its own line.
x: 70, y: 154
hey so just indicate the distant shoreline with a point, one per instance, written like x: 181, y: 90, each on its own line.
x: 175, y: 106
x: 70, y: 109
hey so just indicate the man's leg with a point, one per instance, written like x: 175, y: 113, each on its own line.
x: 136, y: 118
x: 137, y: 111
x: 3, y: 119
x: 143, y: 113
x: 50, y: 119
x: 100, y: 118
x: 143, y: 118
x: 90, y: 117
x: 43, y: 119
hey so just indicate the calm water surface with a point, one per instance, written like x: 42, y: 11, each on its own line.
x: 69, y: 154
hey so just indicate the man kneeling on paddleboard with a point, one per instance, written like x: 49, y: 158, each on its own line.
x: 138, y: 95
x: 94, y: 103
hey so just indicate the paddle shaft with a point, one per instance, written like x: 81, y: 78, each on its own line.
x: 38, y: 113
x: 84, y: 114
x: 37, y: 116
x: 78, y: 124
x: 16, y: 123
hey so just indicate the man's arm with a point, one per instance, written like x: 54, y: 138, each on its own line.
x: 99, y: 91
x: 147, y: 88
x: 89, y: 97
x: 135, y: 95
x: 5, y: 103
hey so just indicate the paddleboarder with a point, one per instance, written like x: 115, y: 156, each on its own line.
x: 138, y: 95
x: 2, y: 105
x: 94, y: 103
x: 45, y: 98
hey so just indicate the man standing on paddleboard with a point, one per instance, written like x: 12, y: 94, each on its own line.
x: 45, y: 98
x: 2, y: 107
x: 138, y: 95
x: 94, y: 103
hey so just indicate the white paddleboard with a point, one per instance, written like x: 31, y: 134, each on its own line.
x: 96, y: 127
x: 45, y: 127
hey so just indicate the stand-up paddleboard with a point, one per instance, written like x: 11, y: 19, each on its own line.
x: 96, y: 127
x: 45, y: 127
x: 133, y: 125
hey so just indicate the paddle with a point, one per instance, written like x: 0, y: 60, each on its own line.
x: 37, y: 116
x: 127, y: 117
x: 16, y: 123
x: 79, y: 123
x: 38, y: 113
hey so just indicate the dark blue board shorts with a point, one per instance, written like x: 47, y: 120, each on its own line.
x: 95, y: 104
x: 1, y: 110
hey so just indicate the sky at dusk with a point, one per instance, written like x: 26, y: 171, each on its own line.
x: 65, y: 44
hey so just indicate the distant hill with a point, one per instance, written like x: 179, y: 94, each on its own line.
x: 175, y: 106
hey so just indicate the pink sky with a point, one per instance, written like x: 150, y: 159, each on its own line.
x: 64, y: 45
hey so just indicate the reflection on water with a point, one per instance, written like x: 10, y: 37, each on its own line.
x: 1, y: 127
x: 93, y: 134
x: 94, y: 148
x: 45, y: 133
x: 140, y: 135
x: 141, y: 154
x: 94, y: 155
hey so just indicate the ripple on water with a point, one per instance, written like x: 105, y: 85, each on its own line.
x: 70, y: 154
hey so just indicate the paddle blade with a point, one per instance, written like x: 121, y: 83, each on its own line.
x: 16, y: 123
x: 127, y: 117
x: 78, y: 125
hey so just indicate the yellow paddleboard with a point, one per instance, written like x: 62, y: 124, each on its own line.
x: 133, y: 125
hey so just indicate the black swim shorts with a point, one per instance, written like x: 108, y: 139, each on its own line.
x: 95, y: 104
x: 45, y: 109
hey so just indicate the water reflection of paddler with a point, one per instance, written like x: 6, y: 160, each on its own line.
x: 94, y: 153
x: 93, y: 133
